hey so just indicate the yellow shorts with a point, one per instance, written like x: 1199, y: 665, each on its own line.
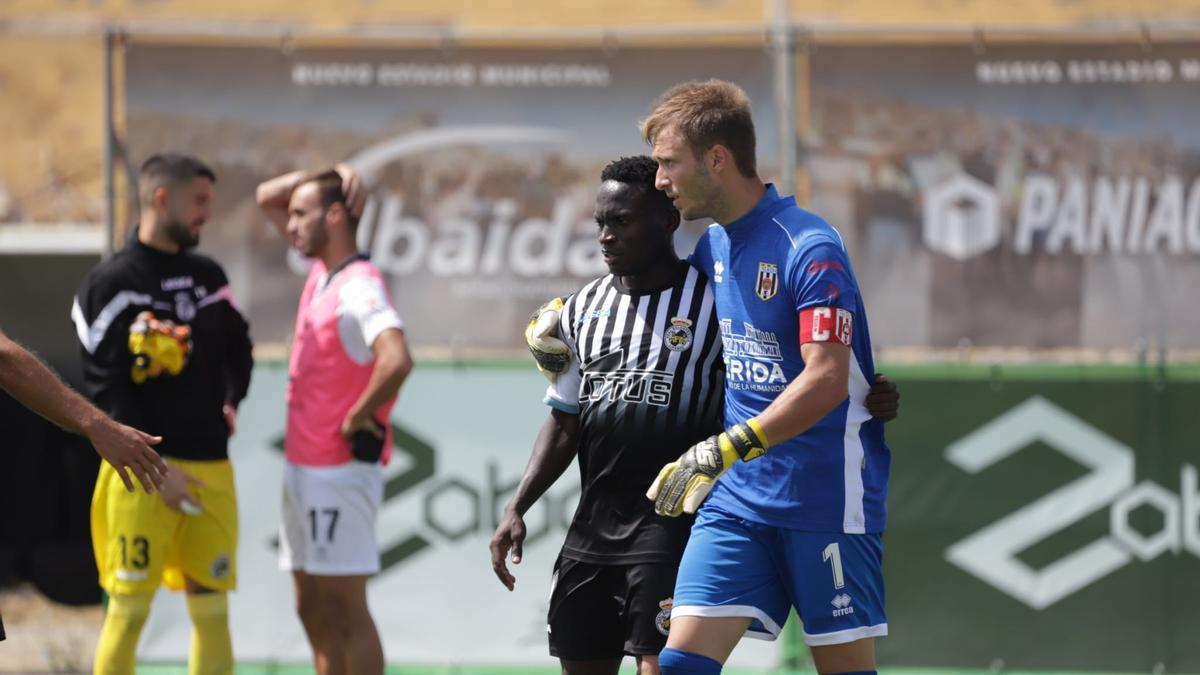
x: 139, y: 542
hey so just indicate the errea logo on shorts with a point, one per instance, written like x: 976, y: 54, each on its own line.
x: 991, y: 553
x: 841, y: 605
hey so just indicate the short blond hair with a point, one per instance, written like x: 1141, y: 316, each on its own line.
x: 706, y: 114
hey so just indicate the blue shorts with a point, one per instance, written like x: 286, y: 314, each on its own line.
x: 736, y: 567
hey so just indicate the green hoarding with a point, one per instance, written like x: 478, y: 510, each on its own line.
x: 1045, y: 524
x: 1001, y: 553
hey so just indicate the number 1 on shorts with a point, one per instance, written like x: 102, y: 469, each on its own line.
x: 834, y: 553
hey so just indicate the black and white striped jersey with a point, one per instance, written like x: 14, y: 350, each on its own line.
x: 647, y: 382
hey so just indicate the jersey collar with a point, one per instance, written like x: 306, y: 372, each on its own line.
x: 680, y: 274
x: 769, y: 202
x: 327, y: 278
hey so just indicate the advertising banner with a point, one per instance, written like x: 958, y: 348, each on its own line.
x: 1033, y: 525
x: 1044, y: 526
x: 484, y: 162
x: 1015, y: 195
x: 463, y: 439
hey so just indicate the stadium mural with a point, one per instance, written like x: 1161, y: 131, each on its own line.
x: 483, y: 163
x: 1015, y: 195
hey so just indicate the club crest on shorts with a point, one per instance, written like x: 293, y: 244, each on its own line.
x: 662, y: 621
x: 679, y: 334
x: 220, y: 567
x: 768, y: 281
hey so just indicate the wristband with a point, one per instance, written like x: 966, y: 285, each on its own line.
x: 746, y: 439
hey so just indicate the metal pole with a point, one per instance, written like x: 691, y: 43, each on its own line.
x: 110, y: 204
x: 783, y: 51
x: 783, y: 43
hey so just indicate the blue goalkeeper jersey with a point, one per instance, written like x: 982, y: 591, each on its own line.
x: 781, y: 277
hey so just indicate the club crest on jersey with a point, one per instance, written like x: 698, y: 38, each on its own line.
x: 185, y: 309
x: 768, y: 281
x: 679, y: 334
x: 663, y: 620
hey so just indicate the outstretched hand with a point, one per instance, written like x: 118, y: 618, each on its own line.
x: 128, y: 449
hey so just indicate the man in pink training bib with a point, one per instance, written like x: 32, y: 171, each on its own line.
x: 347, y: 363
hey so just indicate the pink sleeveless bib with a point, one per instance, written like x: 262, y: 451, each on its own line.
x: 323, y: 381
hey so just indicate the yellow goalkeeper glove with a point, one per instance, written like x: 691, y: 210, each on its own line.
x: 682, y: 485
x: 550, y: 353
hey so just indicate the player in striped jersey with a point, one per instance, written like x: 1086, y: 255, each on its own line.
x: 643, y: 383
x: 797, y: 515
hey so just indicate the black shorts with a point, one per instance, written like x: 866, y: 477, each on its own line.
x: 608, y: 611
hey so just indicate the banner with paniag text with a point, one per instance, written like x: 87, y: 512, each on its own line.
x: 1015, y: 195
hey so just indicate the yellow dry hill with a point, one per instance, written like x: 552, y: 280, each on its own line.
x: 50, y: 55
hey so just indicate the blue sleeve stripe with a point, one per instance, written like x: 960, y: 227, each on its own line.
x: 561, y: 406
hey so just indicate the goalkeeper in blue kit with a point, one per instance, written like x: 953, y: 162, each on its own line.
x: 797, y: 515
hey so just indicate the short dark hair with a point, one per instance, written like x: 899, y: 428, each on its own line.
x: 706, y: 114
x: 638, y: 171
x: 170, y: 169
x: 329, y: 188
x: 330, y: 192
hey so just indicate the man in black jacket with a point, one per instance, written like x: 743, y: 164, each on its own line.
x: 166, y: 350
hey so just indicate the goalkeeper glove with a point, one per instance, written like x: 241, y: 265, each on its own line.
x: 550, y: 353
x: 682, y: 485
x: 158, y: 346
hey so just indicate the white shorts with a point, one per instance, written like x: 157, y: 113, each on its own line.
x: 328, y: 516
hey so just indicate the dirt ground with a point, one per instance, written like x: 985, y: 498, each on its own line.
x: 45, y: 637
